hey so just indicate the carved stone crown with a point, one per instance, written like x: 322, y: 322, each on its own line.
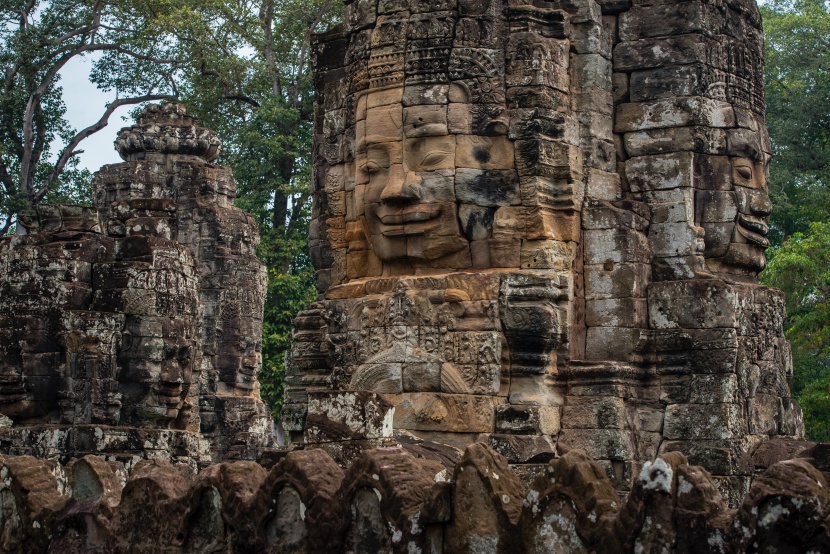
x: 166, y: 129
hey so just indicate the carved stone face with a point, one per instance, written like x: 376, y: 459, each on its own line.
x: 749, y: 238
x: 417, y: 177
x: 735, y: 217
x: 28, y: 380
x: 156, y: 374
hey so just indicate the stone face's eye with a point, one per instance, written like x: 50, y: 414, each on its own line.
x: 744, y: 171
x: 434, y: 158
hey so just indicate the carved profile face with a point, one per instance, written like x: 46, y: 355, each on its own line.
x: 23, y: 397
x: 734, y: 215
x: 416, y: 177
x: 749, y: 238
x: 240, y: 357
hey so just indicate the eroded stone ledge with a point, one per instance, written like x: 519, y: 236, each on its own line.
x: 414, y: 498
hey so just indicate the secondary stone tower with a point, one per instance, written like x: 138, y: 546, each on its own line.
x: 133, y: 328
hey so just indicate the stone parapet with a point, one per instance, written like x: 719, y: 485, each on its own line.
x: 416, y: 498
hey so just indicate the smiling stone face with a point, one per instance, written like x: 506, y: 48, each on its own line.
x: 415, y: 179
x: 733, y: 206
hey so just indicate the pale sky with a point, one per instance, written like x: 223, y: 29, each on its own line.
x: 84, y: 106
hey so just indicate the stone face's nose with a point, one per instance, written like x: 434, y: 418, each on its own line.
x: 403, y: 186
x: 760, y: 203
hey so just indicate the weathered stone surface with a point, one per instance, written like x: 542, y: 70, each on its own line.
x: 410, y: 499
x: 614, y: 197
x: 570, y: 507
x: 134, y: 327
x: 487, y: 504
x: 534, y: 227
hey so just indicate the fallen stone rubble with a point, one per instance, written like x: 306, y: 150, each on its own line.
x: 409, y: 499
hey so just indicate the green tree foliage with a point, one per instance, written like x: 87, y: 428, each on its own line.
x: 249, y: 78
x: 797, y: 82
x: 38, y: 149
x: 801, y: 268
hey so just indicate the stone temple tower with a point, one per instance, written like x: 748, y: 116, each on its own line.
x: 539, y: 225
x: 133, y: 328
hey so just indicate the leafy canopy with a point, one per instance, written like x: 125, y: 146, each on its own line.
x: 801, y: 268
x: 797, y: 82
x: 38, y: 148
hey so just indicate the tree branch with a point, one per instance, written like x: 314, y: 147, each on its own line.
x: 266, y: 15
x: 242, y: 98
x: 304, y: 51
x: 69, y: 151
x: 296, y: 208
x: 6, y: 179
x: 9, y: 222
x: 26, y: 161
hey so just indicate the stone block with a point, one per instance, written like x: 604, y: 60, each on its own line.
x: 423, y: 121
x: 591, y: 70
x: 599, y: 444
x: 384, y: 123
x: 671, y: 212
x: 669, y: 240
x: 479, y: 152
x: 614, y: 215
x: 713, y: 389
x: 527, y: 419
x: 559, y: 225
x: 533, y: 390
x: 660, y: 52
x: 510, y: 222
x: 723, y: 457
x: 673, y: 112
x: 668, y: 82
x: 619, y: 81
x: 522, y: 449
x: 458, y: 413
x: 616, y: 246
x: 704, y: 422
x: 487, y: 187
x: 616, y: 280
x: 593, y: 412
x: 505, y: 252
x: 603, y: 185
x: 476, y: 221
x: 616, y: 312
x: 650, y: 420
x: 668, y: 20
x: 665, y: 171
x: 692, y: 304
x: 547, y: 254
x: 354, y: 415
x: 701, y: 139
x: 677, y: 268
x: 611, y: 343
x: 764, y: 414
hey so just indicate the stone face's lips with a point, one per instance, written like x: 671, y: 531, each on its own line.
x: 419, y: 213
x: 754, y: 230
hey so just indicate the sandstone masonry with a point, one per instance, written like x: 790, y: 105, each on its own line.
x: 133, y: 328
x: 538, y: 225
